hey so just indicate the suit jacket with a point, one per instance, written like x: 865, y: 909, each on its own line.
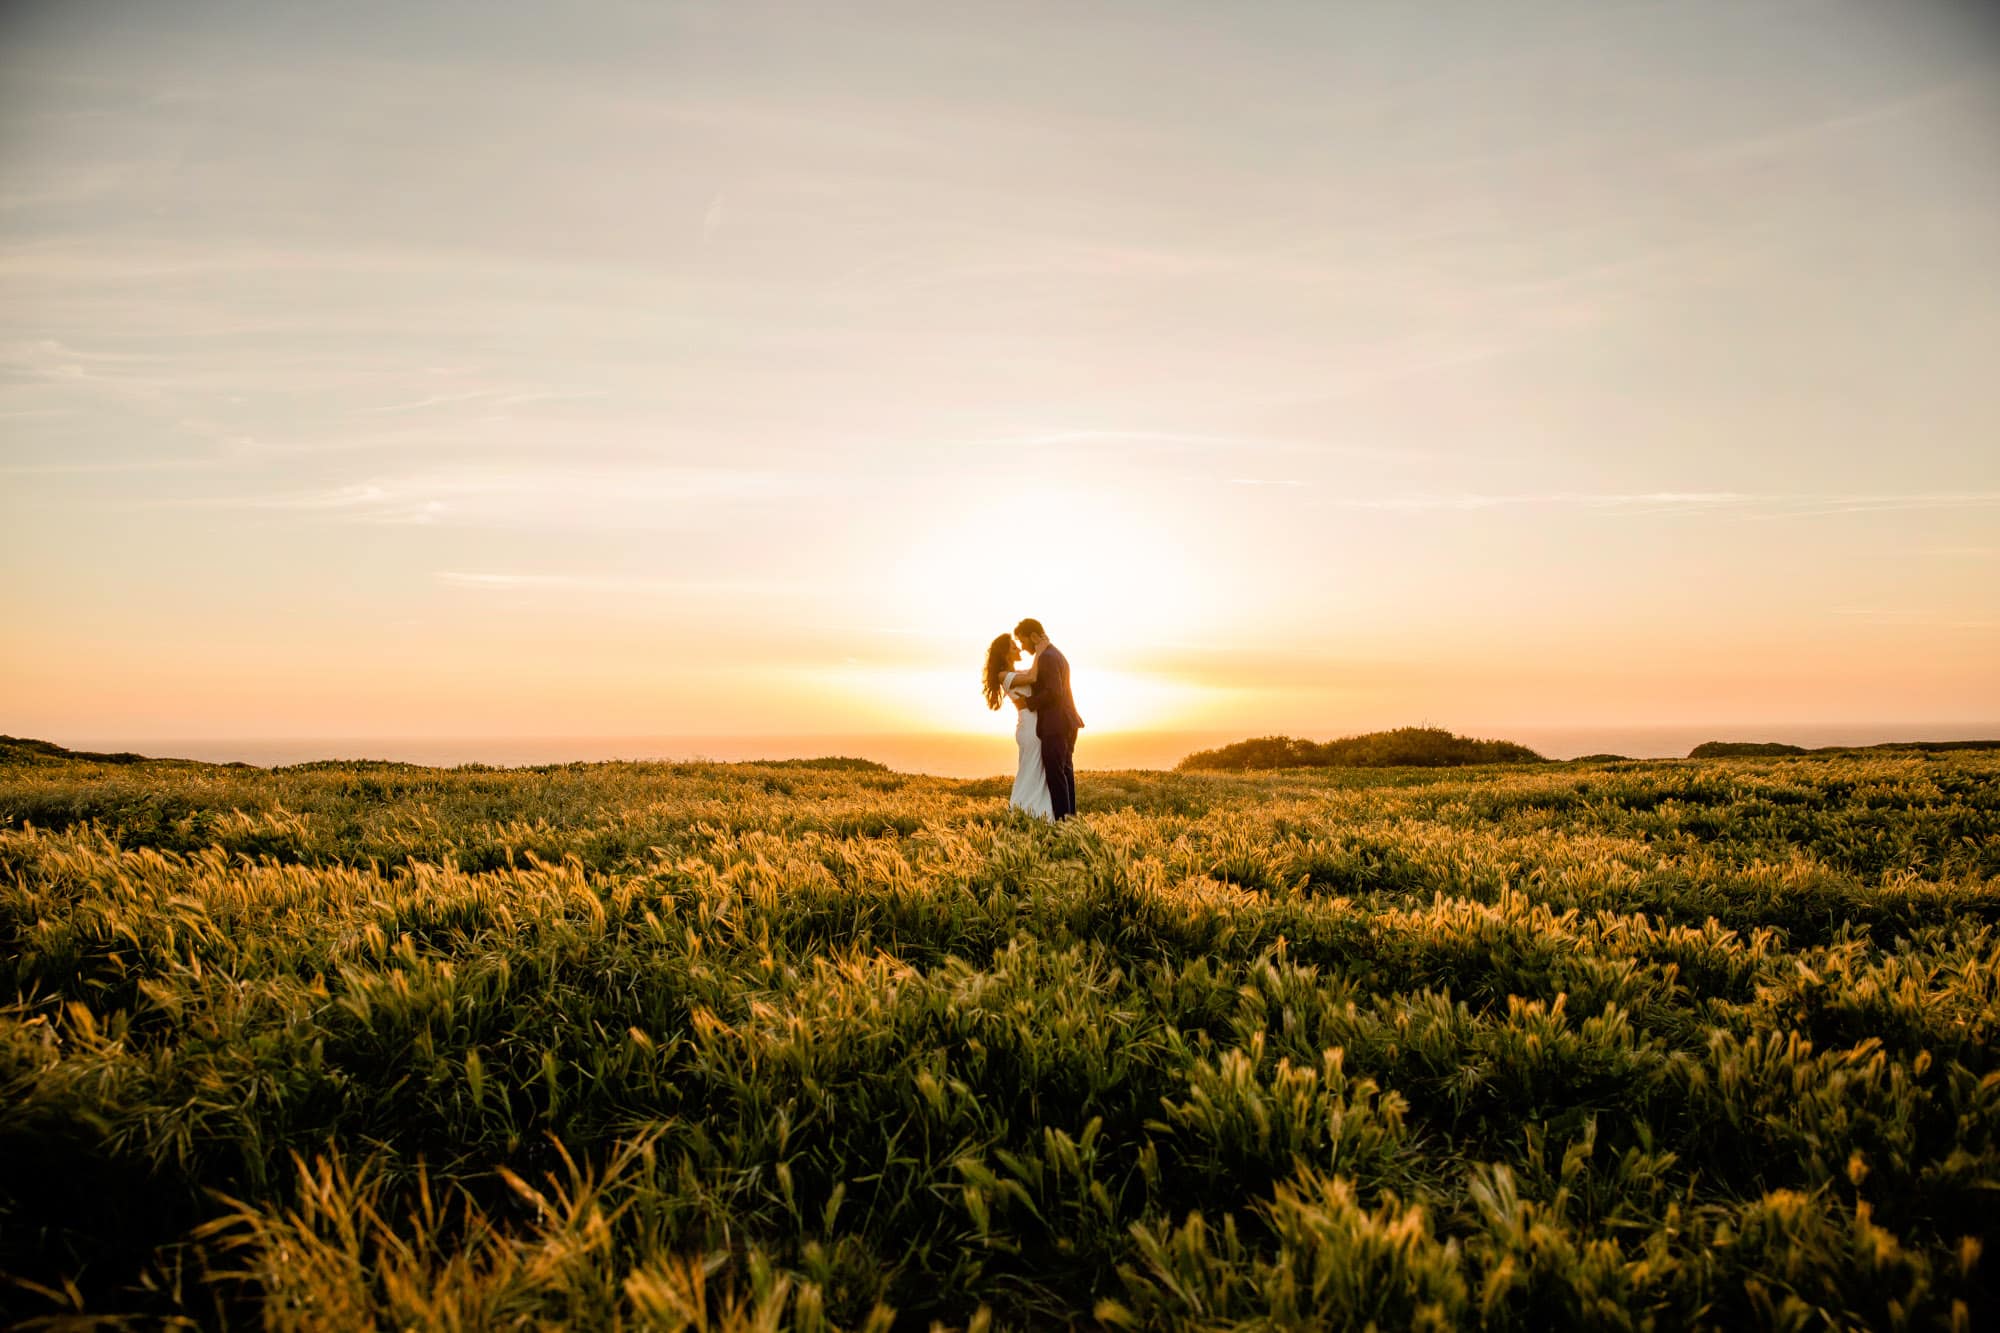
x: 1055, y: 710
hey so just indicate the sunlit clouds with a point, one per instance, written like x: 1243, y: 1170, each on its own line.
x: 523, y: 496
x: 735, y: 370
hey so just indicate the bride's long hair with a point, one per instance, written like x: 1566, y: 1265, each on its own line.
x: 1000, y: 655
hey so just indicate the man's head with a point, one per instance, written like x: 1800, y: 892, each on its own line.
x: 1031, y: 636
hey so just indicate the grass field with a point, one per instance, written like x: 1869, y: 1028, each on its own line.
x: 1633, y: 1045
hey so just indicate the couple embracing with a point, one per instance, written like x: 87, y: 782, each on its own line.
x: 1045, y: 777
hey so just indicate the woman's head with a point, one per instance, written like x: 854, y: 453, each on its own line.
x: 999, y: 658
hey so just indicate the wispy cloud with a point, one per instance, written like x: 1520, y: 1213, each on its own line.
x: 533, y: 497
x: 1475, y: 500
x: 494, y: 397
x: 1853, y: 116
x: 54, y: 359
x: 631, y: 586
x: 1189, y: 442
x: 430, y: 400
x: 1916, y: 617
x: 1061, y: 439
x: 363, y: 502
x: 1864, y: 503
x: 108, y: 468
x: 1748, y: 504
x: 713, y: 217
x: 458, y: 579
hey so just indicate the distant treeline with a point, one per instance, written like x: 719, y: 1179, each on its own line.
x: 26, y: 750
x: 831, y: 763
x: 1434, y: 747
x: 1762, y: 749
x: 1405, y: 747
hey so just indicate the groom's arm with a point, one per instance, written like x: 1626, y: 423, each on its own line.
x: 1047, y: 682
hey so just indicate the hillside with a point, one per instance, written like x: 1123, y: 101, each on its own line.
x: 1405, y: 747
x: 1770, y: 749
x: 23, y: 750
x: 1707, y: 1044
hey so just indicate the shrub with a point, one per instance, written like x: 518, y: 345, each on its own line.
x: 1405, y: 747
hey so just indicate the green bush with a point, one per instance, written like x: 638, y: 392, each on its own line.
x: 1405, y: 747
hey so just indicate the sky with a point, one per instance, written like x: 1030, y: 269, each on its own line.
x: 616, y: 369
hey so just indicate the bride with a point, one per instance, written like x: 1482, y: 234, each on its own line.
x: 1031, y: 786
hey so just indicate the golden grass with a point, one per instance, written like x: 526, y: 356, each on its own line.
x: 751, y: 1046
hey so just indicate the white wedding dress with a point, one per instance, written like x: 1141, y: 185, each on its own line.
x: 1031, y: 785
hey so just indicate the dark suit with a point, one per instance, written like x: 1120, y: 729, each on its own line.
x: 1056, y: 723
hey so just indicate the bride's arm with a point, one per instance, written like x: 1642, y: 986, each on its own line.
x: 1026, y: 677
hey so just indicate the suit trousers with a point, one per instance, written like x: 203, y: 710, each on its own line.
x: 1059, y: 767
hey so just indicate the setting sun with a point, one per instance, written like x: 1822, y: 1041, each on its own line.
x: 1105, y: 575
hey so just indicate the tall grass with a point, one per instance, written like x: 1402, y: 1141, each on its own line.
x: 702, y: 1046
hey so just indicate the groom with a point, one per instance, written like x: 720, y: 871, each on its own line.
x: 1056, y: 719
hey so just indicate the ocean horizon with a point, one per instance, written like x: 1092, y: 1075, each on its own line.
x: 960, y: 755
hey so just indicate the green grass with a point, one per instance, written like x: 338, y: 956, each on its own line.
x: 1622, y: 1045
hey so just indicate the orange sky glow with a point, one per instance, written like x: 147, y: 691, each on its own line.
x: 739, y: 371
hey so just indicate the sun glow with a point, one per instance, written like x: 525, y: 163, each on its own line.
x: 1094, y: 567
x: 1107, y: 577
x: 1112, y: 701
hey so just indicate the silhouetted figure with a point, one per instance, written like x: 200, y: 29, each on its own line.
x: 1056, y: 718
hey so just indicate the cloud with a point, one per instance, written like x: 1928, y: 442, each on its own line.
x: 53, y: 359
x: 1781, y: 137
x: 363, y: 502
x: 493, y: 397
x: 625, y: 586
x: 1473, y: 500
x: 430, y: 400
x: 1189, y: 442
x: 714, y: 216
x: 1865, y: 503
x: 537, y: 497
x: 458, y: 579
x: 1915, y: 617
x: 1739, y: 502
x: 106, y: 468
x: 1053, y: 439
